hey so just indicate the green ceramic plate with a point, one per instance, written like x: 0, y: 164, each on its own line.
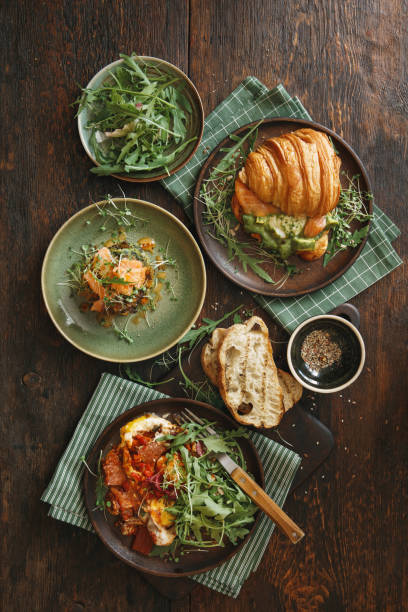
x: 171, y: 319
x: 194, y: 129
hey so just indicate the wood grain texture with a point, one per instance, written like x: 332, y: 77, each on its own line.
x: 347, y: 61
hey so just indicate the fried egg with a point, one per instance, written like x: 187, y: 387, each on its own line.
x: 161, y: 522
x: 143, y: 424
x: 158, y: 512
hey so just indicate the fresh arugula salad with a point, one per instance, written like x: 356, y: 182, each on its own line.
x: 210, y: 508
x: 138, y: 118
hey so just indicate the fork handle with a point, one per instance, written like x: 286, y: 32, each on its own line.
x: 265, y: 503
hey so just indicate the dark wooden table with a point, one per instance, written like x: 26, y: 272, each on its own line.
x: 347, y: 62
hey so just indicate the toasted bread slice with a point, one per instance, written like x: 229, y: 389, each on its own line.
x: 209, y: 354
x: 247, y: 377
x: 291, y: 389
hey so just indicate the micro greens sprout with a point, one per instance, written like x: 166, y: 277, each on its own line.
x: 351, y: 207
x: 123, y: 333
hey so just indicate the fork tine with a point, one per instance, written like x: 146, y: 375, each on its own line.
x: 193, y: 417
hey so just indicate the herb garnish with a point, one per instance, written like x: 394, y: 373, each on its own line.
x: 139, y: 118
x: 351, y: 207
x: 123, y: 333
x: 196, y: 334
x: 100, y: 487
x: 122, y: 216
x: 97, y: 275
x: 135, y: 377
x: 202, y: 391
x: 216, y: 194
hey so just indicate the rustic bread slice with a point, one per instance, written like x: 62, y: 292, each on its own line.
x: 209, y: 354
x: 248, y: 378
x: 291, y: 389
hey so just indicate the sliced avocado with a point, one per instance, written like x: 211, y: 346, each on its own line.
x: 269, y: 241
x: 304, y: 244
x: 275, y: 225
x: 331, y: 220
x: 286, y: 248
x: 281, y: 233
x: 251, y: 224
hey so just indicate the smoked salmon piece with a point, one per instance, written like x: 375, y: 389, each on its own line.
x: 132, y: 271
x: 249, y: 203
x: 314, y: 225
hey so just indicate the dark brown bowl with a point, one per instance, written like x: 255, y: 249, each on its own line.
x: 196, y: 126
x: 312, y: 275
x: 195, y: 562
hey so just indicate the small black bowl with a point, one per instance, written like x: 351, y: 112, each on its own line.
x: 343, y: 332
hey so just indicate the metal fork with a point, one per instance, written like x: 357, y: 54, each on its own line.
x: 251, y: 488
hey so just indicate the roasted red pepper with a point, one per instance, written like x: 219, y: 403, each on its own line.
x: 142, y: 541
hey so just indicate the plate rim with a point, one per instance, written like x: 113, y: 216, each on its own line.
x: 146, y: 406
x: 79, y: 214
x: 200, y: 227
x: 133, y: 179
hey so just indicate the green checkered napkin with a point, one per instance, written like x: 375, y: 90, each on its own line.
x: 251, y: 101
x: 112, y: 397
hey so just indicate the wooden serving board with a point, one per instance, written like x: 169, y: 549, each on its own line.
x: 299, y: 430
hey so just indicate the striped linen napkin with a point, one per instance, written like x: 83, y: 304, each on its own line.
x: 252, y: 101
x: 112, y: 397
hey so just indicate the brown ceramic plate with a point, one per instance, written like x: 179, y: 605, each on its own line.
x: 195, y: 562
x: 313, y: 275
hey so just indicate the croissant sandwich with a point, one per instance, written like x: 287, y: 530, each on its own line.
x: 286, y: 191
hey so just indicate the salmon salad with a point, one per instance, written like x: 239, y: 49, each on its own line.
x: 120, y: 278
x: 117, y: 279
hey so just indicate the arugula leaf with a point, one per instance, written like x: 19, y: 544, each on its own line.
x: 100, y: 488
x: 135, y: 376
x: 196, y: 334
x: 210, y: 507
x: 216, y: 444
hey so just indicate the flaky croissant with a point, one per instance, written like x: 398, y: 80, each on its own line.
x: 297, y: 172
